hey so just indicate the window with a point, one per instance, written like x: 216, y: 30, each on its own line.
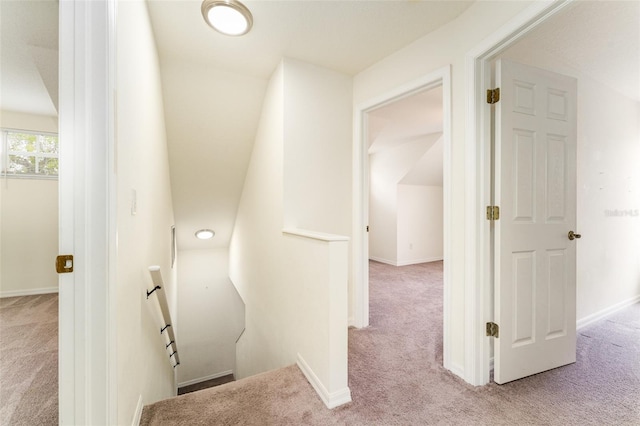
x: 29, y: 154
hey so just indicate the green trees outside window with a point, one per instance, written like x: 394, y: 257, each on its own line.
x: 30, y: 154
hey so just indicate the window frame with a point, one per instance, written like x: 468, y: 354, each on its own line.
x: 5, y: 154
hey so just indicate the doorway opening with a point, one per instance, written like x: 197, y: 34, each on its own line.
x: 405, y: 180
x: 601, y: 176
x: 29, y: 157
x: 405, y: 146
x: 402, y: 182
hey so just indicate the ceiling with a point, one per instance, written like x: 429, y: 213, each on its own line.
x: 214, y: 85
x: 346, y: 36
x: 405, y: 120
x: 29, y: 57
x: 415, y: 119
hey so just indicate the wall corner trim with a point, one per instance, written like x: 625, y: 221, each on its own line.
x: 137, y: 415
x: 330, y: 399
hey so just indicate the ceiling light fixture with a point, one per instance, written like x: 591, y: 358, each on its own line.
x: 205, y: 234
x: 228, y: 17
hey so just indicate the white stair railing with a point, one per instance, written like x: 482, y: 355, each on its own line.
x: 166, y: 329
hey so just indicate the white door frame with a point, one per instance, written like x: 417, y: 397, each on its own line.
x: 360, y: 296
x: 87, y: 202
x: 478, y: 271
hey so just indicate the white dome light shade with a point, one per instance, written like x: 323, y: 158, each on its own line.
x: 205, y: 234
x: 228, y: 17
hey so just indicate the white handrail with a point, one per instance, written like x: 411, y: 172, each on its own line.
x: 158, y: 284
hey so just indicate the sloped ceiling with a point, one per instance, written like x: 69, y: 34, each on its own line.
x: 211, y: 118
x: 214, y: 85
x: 405, y: 120
x: 428, y: 169
x: 412, y: 119
x: 29, y: 57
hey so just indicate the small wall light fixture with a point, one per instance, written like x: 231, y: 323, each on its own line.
x: 228, y: 17
x: 205, y: 234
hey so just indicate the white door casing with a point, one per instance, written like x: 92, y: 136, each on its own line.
x: 359, y: 302
x: 478, y: 286
x: 534, y: 260
x: 87, y: 361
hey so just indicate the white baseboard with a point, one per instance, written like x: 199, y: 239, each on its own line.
x: 415, y: 262
x: 29, y: 292
x: 351, y: 322
x: 405, y: 262
x: 381, y: 260
x: 204, y: 379
x: 331, y: 400
x: 456, y: 369
x: 589, y: 319
x: 138, y: 414
x: 596, y: 317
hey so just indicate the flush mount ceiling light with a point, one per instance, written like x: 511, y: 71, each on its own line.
x: 205, y: 234
x: 228, y: 17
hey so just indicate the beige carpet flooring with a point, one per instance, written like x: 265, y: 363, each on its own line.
x: 396, y: 375
x: 29, y: 360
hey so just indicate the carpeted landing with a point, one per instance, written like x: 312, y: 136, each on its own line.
x: 396, y: 375
x: 29, y: 360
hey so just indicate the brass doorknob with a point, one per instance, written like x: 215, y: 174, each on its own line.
x: 572, y: 235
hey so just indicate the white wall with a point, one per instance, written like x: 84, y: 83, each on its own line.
x: 29, y: 231
x: 608, y: 264
x: 254, y: 264
x: 445, y: 46
x: 420, y: 224
x: 28, y: 222
x: 144, y: 368
x: 317, y: 148
x: 210, y: 314
x: 389, y: 233
x: 317, y: 271
x: 276, y: 190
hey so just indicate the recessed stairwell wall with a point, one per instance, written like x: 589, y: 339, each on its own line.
x: 145, y: 372
x: 295, y: 287
x: 210, y: 314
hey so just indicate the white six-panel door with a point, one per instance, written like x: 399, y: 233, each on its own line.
x: 535, y: 188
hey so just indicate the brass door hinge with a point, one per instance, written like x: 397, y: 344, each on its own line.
x: 493, y: 212
x: 64, y: 263
x: 493, y: 330
x: 493, y: 95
